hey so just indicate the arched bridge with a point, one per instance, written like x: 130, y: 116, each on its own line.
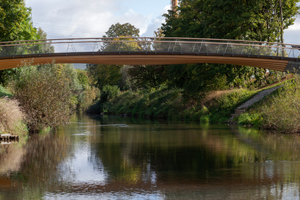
x: 151, y: 51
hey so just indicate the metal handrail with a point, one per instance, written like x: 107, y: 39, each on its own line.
x: 293, y: 46
x: 151, y: 38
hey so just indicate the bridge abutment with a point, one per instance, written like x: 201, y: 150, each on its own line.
x: 293, y: 66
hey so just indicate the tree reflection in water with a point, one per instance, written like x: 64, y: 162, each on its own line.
x: 140, y: 159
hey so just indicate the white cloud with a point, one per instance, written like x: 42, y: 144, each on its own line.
x: 292, y: 34
x: 92, y: 18
x: 156, y: 23
x: 89, y: 18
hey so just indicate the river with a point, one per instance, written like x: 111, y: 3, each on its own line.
x: 124, y: 158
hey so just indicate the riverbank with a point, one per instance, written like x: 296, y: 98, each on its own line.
x: 165, y: 103
x: 11, y: 115
x: 273, y: 112
x: 279, y: 111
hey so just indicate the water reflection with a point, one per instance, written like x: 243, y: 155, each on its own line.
x: 119, y: 158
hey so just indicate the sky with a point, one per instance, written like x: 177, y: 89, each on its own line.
x: 92, y: 18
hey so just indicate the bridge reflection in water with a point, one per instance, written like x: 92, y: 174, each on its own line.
x: 151, y: 51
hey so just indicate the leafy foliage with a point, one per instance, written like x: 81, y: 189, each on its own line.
x: 169, y: 104
x: 225, y: 19
x: 230, y: 19
x: 15, y: 21
x: 279, y: 111
x: 117, y: 30
x: 102, y: 75
x: 147, y: 76
x: 45, y: 95
x: 108, y: 92
x: 15, y: 24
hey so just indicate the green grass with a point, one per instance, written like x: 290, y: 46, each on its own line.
x: 4, y: 92
x: 164, y: 103
x: 279, y: 111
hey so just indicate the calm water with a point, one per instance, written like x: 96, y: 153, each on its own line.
x: 121, y: 158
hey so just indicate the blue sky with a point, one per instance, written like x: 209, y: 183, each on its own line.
x: 92, y: 18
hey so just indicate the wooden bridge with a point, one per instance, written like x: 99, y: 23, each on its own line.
x: 151, y: 51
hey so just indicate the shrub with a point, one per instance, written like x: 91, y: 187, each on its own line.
x: 250, y: 119
x: 282, y: 111
x: 45, y: 96
x: 108, y: 92
x: 11, y: 117
x: 4, y: 92
x: 204, y: 119
x: 88, y: 97
x: 279, y: 111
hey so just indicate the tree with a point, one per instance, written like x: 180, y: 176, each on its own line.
x: 15, y: 21
x: 224, y: 19
x: 125, y: 30
x: 230, y: 19
x: 102, y: 75
x: 118, y: 32
x: 147, y: 76
x: 44, y: 94
x: 43, y: 48
x: 14, y: 25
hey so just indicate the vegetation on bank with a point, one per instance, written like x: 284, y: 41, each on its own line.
x: 279, y: 111
x: 167, y: 103
x: 39, y: 98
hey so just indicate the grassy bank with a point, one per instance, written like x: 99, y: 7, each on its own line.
x: 11, y: 115
x: 169, y: 104
x: 279, y: 111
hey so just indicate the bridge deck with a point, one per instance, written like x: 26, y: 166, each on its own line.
x: 149, y: 58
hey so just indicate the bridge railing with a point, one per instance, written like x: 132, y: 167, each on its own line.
x: 150, y: 44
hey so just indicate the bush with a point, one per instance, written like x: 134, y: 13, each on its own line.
x: 4, y: 92
x: 108, y: 92
x: 88, y: 97
x: 11, y: 117
x: 282, y: 110
x: 44, y: 93
x: 250, y: 119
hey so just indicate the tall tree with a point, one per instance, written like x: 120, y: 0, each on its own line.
x: 224, y: 19
x: 230, y: 19
x: 102, y: 75
x: 15, y: 21
x: 15, y: 24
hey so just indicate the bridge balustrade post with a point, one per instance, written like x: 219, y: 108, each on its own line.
x: 200, y: 47
x: 218, y: 48
x: 121, y: 45
x: 243, y: 49
x: 194, y: 47
x: 15, y: 51
x: 251, y: 49
x: 226, y: 47
x: 174, y: 46
x: 70, y: 44
x: 96, y: 45
x: 170, y: 46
